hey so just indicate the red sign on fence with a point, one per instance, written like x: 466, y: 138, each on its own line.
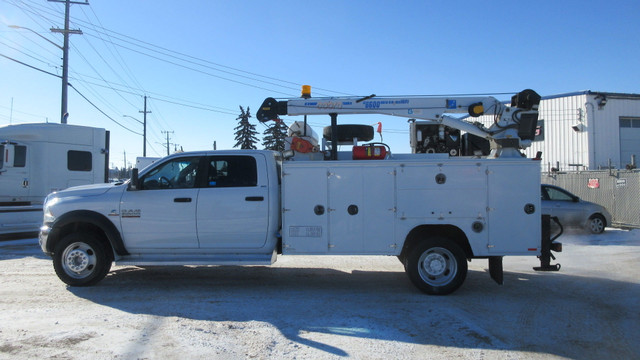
x: 593, y: 184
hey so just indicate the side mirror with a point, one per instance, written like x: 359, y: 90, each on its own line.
x: 133, y: 184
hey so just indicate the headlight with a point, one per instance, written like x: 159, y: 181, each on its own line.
x: 48, y: 213
x: 48, y: 216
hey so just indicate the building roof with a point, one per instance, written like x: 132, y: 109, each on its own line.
x: 609, y: 95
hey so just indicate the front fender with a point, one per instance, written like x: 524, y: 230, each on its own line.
x: 78, y: 219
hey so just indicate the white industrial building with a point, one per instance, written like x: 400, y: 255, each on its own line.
x: 587, y: 131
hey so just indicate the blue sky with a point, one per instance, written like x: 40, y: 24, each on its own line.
x: 197, y: 61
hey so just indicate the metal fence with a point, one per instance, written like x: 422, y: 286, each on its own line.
x: 617, y: 190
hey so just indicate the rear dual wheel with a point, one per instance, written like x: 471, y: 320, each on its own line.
x: 436, y: 266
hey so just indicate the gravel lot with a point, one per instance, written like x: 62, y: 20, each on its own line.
x: 327, y: 308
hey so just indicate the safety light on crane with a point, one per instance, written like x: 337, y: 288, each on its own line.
x: 476, y: 109
x: 306, y: 91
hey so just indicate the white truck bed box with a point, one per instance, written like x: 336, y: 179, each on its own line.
x: 369, y: 207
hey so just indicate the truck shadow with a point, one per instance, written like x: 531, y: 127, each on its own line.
x: 545, y: 313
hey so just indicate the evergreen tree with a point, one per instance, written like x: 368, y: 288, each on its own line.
x: 274, y: 136
x: 245, y: 131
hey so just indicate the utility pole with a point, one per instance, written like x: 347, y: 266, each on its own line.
x: 144, y: 124
x: 65, y: 54
x: 168, y: 144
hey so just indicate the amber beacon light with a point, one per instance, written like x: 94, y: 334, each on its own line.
x: 306, y: 91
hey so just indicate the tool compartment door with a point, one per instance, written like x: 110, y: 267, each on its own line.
x: 514, y: 208
x: 305, y: 209
x: 361, y: 209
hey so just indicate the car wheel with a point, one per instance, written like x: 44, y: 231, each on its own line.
x: 436, y: 266
x: 596, y: 224
x: 81, y: 259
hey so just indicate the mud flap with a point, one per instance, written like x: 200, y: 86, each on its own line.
x: 495, y: 269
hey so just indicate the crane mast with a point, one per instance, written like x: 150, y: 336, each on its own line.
x: 513, y: 127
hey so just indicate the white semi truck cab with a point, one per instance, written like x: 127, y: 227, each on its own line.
x: 40, y: 158
x: 432, y: 211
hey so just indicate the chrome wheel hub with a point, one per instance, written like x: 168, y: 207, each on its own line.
x: 79, y: 260
x: 437, y: 266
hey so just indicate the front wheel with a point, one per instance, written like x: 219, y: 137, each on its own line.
x: 81, y: 259
x: 437, y: 266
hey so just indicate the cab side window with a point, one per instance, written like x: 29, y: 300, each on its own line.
x: 79, y: 160
x: 16, y: 158
x: 558, y: 195
x: 232, y: 171
x: 20, y: 159
x: 175, y: 174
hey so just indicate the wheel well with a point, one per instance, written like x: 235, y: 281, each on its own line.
x: 86, y: 221
x: 449, y: 231
x: 604, y: 219
x: 84, y: 227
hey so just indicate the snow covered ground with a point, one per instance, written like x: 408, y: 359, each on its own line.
x: 328, y: 308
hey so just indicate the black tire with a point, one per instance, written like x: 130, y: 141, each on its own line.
x: 81, y: 259
x: 596, y: 224
x: 346, y: 133
x: 436, y: 266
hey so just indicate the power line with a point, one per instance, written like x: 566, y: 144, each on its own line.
x: 196, y: 70
x: 84, y: 97
x: 30, y: 66
x: 98, y: 73
x: 186, y: 58
x: 103, y: 113
x: 205, y: 61
x: 30, y: 39
x: 25, y: 54
x: 119, y: 57
x: 196, y: 107
x: 175, y: 101
x: 108, y: 83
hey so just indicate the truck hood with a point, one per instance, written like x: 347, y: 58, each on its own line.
x: 85, y: 190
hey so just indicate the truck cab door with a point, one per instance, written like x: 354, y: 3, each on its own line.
x: 233, y: 204
x: 162, y: 213
x: 14, y: 173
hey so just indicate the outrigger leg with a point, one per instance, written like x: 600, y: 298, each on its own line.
x: 549, y: 245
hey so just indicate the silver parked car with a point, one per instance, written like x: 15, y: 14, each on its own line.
x: 573, y: 211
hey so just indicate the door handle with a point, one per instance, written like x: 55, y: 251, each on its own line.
x: 182, y: 200
x: 254, y: 198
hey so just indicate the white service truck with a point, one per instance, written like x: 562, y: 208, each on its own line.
x: 432, y: 211
x: 40, y: 158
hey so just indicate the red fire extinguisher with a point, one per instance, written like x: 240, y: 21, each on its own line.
x: 372, y: 151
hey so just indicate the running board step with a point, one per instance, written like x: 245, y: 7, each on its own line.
x: 191, y: 259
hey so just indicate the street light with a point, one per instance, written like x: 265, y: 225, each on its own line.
x: 33, y: 31
x: 144, y: 134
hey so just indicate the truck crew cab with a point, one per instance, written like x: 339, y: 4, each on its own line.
x: 432, y: 211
